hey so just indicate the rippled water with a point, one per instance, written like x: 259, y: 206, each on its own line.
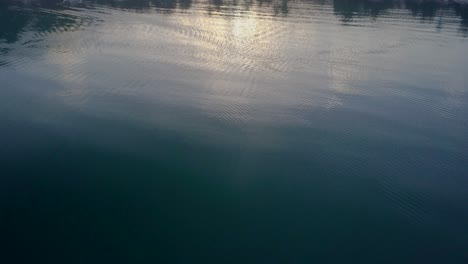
x: 234, y: 132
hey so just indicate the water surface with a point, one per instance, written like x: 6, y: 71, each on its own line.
x: 234, y: 132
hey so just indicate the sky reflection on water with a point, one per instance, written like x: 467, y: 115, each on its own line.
x: 290, y: 131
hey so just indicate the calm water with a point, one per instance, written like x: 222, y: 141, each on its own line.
x: 234, y: 132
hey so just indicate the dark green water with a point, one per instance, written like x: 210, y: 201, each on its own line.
x: 234, y: 132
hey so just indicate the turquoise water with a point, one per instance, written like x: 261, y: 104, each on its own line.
x: 234, y: 132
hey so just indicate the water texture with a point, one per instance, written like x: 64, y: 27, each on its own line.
x: 234, y: 132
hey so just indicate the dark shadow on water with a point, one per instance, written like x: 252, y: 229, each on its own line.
x: 134, y: 4
x: 462, y: 11
x: 12, y: 24
x: 185, y: 4
x: 346, y: 9
x: 281, y: 7
x: 349, y: 9
x: 426, y: 11
x: 14, y: 20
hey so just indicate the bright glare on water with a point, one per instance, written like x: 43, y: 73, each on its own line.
x: 250, y: 131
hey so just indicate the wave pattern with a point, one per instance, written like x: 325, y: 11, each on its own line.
x: 356, y: 98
